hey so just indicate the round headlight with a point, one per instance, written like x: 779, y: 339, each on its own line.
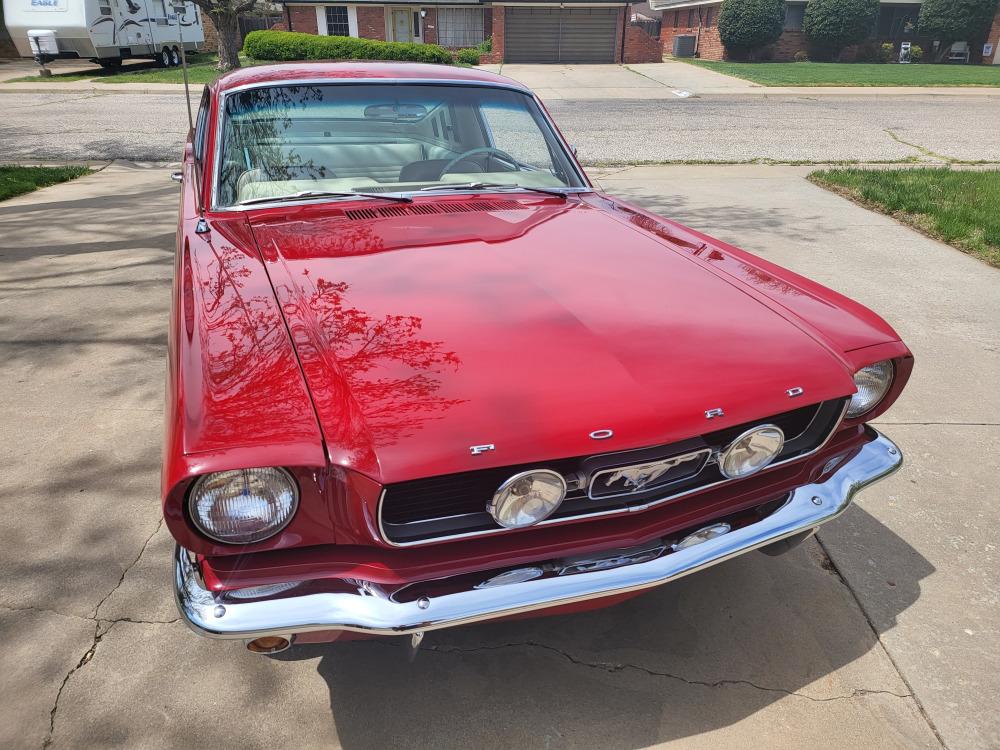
x: 527, y: 498
x: 872, y: 383
x: 751, y: 451
x: 244, y: 506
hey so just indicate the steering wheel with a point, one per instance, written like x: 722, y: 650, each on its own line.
x: 482, y: 150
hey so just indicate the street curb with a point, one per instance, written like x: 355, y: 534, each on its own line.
x: 30, y: 88
x: 580, y: 95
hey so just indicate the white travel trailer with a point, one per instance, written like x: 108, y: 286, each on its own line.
x: 104, y: 31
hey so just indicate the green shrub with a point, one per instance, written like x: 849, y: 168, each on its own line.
x: 801, y: 56
x: 276, y: 45
x: 868, y: 51
x: 916, y: 53
x: 291, y: 45
x: 886, y: 52
x: 951, y: 21
x: 485, y: 46
x: 747, y: 26
x: 831, y: 25
x: 467, y: 56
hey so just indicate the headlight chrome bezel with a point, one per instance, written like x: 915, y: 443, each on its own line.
x: 493, y: 506
x: 195, y: 495
x: 886, y: 386
x: 759, y: 429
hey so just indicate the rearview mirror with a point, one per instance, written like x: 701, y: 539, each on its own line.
x: 395, y: 111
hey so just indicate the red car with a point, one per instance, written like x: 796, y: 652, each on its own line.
x: 423, y: 374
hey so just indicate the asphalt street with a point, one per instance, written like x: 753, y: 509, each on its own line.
x: 881, y: 634
x: 145, y: 127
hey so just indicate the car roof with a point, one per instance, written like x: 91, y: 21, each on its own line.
x: 359, y: 71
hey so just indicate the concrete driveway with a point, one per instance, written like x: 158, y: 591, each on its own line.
x: 889, y: 641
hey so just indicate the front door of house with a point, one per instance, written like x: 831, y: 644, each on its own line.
x: 402, y: 30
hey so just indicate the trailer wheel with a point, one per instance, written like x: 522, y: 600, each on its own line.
x: 164, y: 58
x: 175, y: 56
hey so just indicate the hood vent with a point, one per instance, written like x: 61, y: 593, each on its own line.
x: 417, y: 209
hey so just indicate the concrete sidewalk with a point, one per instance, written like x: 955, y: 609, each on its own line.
x: 668, y: 81
x: 759, y: 651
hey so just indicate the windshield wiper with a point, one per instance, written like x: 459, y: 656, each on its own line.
x: 326, y: 194
x: 494, y: 186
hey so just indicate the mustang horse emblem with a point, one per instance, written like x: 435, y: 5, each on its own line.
x: 637, y: 477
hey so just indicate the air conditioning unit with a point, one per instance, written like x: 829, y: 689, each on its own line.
x: 684, y: 45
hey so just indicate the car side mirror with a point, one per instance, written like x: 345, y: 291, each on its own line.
x: 573, y: 149
x: 177, y: 176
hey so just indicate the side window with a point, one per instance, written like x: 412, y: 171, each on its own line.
x: 514, y: 130
x: 104, y: 7
x: 200, y: 126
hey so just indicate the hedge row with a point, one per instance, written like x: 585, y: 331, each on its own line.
x: 292, y: 45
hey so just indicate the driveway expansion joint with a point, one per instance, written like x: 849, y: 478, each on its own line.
x: 831, y: 565
x: 621, y: 667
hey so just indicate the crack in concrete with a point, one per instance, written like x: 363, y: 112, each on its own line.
x: 923, y: 150
x: 832, y: 567
x: 615, y: 667
x: 87, y: 656
x: 89, y: 619
x: 98, y: 632
x: 128, y: 567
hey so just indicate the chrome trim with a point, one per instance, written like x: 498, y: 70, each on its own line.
x: 746, y: 433
x: 379, y: 610
x: 190, y: 501
x: 360, y: 81
x: 892, y: 379
x: 603, y: 513
x: 491, y: 503
x: 665, y: 463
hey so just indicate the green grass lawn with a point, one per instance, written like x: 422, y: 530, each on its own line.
x: 201, y: 70
x: 956, y: 206
x: 856, y: 74
x: 20, y: 180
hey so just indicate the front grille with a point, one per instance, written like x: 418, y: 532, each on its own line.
x: 424, y: 510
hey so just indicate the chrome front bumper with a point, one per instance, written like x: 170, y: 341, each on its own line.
x: 366, y: 607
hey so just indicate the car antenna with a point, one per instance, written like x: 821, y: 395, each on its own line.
x: 180, y: 9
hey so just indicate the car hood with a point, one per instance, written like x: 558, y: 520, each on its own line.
x: 526, y: 325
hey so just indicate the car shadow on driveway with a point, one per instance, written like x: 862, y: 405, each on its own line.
x: 695, y: 656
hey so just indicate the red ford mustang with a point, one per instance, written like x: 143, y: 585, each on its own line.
x: 423, y: 374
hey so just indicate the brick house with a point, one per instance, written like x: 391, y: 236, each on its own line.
x: 897, y: 22
x: 578, y: 32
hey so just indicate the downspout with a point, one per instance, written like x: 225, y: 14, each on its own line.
x: 288, y: 17
x: 621, y: 56
x: 697, y: 34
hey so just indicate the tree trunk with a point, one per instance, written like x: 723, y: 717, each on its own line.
x: 227, y: 26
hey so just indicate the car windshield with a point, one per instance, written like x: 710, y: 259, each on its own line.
x: 384, y: 138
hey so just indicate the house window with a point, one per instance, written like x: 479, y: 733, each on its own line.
x: 708, y: 16
x: 460, y: 27
x: 677, y: 18
x: 336, y: 20
x: 794, y: 14
x: 416, y: 23
x: 690, y: 18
